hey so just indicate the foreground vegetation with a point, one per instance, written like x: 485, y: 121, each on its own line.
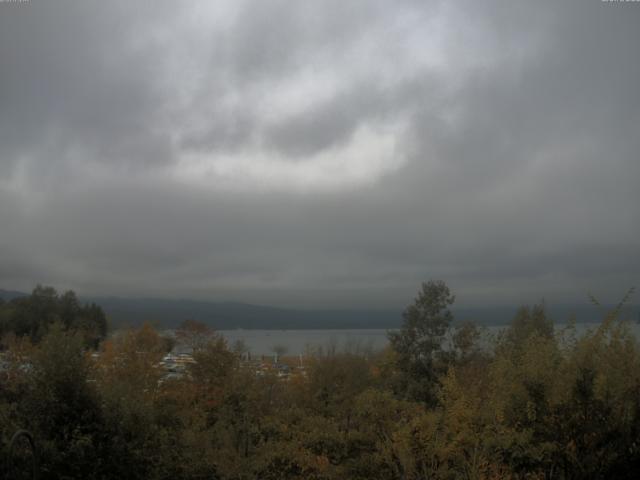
x: 440, y: 402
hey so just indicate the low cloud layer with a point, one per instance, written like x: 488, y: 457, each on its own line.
x: 321, y: 154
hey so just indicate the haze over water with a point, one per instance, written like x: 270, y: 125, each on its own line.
x: 300, y: 342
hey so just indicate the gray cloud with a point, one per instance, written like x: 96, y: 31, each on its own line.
x: 320, y: 154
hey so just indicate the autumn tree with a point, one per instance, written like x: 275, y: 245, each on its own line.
x: 194, y: 334
x: 214, y: 363
x: 127, y: 377
x: 62, y: 408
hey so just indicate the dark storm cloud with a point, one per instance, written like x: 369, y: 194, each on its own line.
x: 320, y: 153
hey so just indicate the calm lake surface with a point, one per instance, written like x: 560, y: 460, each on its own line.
x: 295, y: 342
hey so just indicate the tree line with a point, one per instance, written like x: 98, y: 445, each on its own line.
x: 441, y: 402
x: 32, y: 316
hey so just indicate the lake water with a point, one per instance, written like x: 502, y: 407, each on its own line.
x: 295, y: 342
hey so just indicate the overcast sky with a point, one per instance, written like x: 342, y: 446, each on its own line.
x: 321, y: 153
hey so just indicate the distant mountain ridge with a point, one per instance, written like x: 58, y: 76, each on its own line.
x: 11, y: 294
x: 167, y: 313
x: 232, y: 315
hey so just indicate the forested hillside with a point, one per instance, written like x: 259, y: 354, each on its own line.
x: 537, y: 403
